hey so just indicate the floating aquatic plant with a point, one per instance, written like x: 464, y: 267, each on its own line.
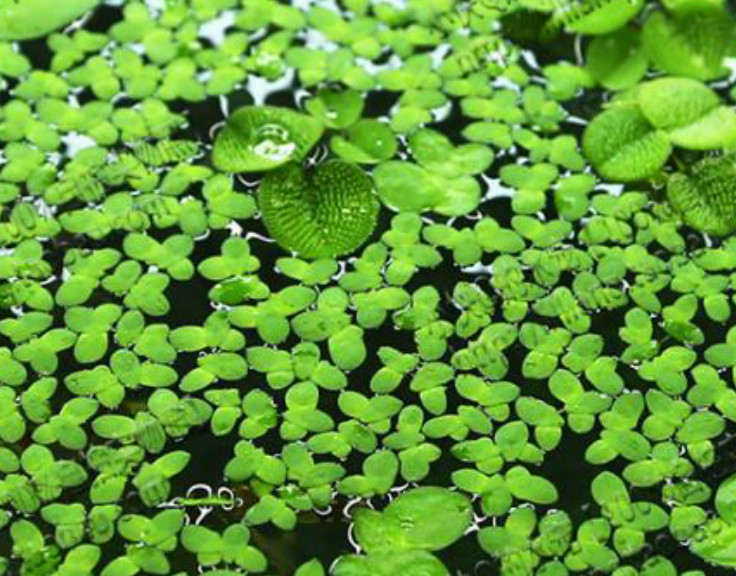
x: 633, y: 139
x: 365, y: 142
x: 692, y: 40
x: 146, y: 322
x: 713, y: 539
x: 623, y: 145
x: 26, y: 19
x: 166, y: 152
x: 593, y: 17
x: 401, y: 537
x: 441, y: 181
x: 325, y: 212
x: 259, y: 138
x: 706, y: 198
x: 617, y: 60
x: 695, y: 118
x: 336, y: 109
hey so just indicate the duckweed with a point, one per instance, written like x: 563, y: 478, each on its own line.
x: 367, y: 288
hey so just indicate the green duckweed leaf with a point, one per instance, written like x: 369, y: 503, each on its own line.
x: 690, y: 113
x: 347, y: 348
x: 726, y: 499
x: 34, y: 18
x: 336, y: 109
x: 435, y: 152
x: 604, y: 18
x: 451, y: 516
x: 610, y: 493
x: 616, y: 60
x: 258, y: 138
x: 322, y: 213
x: 379, y: 473
x: 691, y: 42
x: 27, y: 538
x: 443, y: 182
x: 700, y: 426
x: 716, y: 543
x: 721, y: 355
x: 377, y: 532
x: 408, y: 563
x: 311, y: 568
x: 526, y: 486
x: 365, y: 142
x: 407, y: 187
x: 706, y: 198
x: 623, y: 146
x: 114, y: 426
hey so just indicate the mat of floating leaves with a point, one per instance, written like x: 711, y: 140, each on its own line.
x: 289, y: 288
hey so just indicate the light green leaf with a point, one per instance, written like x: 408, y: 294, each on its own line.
x: 409, y: 563
x: 692, y: 42
x: 258, y: 138
x: 451, y: 515
x: 623, y: 146
x: 366, y: 142
x: 34, y: 18
x: 406, y: 187
x: 336, y: 109
x: 716, y: 543
x: 690, y: 113
x: 706, y: 198
x: 311, y: 568
x: 617, y: 61
x: 326, y: 212
x: 726, y: 499
x: 605, y: 18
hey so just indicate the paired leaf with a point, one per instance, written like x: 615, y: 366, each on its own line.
x: 365, y: 142
x: 690, y: 113
x: 326, y: 212
x: 259, y: 138
x: 623, y: 146
x: 26, y: 19
x: 693, y: 41
x: 617, y: 60
x: 706, y: 198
